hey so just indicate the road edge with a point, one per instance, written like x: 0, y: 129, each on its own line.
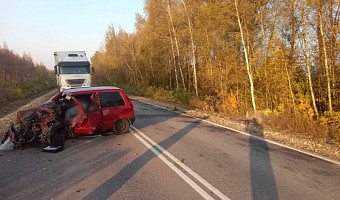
x: 244, y: 133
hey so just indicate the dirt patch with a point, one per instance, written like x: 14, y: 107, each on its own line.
x: 313, y: 145
x: 8, y: 111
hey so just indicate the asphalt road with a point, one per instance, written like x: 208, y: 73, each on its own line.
x: 167, y: 156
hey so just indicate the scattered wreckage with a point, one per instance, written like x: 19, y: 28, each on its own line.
x: 71, y: 113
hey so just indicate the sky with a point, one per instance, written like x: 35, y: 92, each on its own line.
x: 41, y: 27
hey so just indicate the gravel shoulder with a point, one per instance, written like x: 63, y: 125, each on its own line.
x: 8, y: 113
x: 311, y: 145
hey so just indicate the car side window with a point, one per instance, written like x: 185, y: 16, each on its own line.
x: 111, y: 99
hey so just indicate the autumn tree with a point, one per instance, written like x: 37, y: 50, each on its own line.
x: 231, y: 55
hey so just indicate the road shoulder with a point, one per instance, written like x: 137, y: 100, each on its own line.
x: 312, y: 147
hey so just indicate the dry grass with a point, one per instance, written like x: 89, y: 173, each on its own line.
x: 308, y: 128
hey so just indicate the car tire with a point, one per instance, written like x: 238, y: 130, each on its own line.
x: 121, y: 126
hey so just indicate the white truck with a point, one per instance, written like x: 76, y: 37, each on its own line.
x: 72, y: 69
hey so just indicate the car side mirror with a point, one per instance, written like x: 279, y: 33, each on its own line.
x: 55, y: 69
x: 92, y: 69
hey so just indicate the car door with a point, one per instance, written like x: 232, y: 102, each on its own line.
x: 92, y: 120
x: 95, y: 116
x: 112, y: 106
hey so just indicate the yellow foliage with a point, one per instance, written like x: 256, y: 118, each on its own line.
x: 209, y: 103
x: 304, y: 105
x: 267, y: 112
x: 18, y: 92
x: 232, y: 98
x: 281, y: 107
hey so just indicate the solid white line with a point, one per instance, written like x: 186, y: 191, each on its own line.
x: 253, y: 136
x: 186, y: 168
x: 196, y: 187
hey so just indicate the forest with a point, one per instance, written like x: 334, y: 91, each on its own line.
x: 229, y: 56
x: 21, y: 77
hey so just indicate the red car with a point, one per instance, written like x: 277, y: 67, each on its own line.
x: 99, y: 109
x: 74, y: 112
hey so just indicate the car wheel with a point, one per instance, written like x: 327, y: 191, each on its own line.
x: 121, y: 126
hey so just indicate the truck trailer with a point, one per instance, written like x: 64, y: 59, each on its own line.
x: 72, y: 69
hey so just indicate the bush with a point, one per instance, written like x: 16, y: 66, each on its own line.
x: 33, y: 87
x: 196, y: 102
x: 130, y: 89
x: 150, y: 91
x: 182, y: 97
x: 163, y: 95
x: 300, y: 125
x: 26, y: 89
x: 332, y: 120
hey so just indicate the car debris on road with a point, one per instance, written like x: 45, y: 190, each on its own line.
x: 71, y: 113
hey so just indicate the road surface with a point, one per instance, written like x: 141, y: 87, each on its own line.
x: 167, y: 156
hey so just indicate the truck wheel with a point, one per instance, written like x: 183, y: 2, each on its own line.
x: 121, y: 126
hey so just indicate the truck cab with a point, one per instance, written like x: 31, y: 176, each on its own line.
x: 72, y: 69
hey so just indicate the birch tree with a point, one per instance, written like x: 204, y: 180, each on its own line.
x: 178, y: 58
x: 192, y: 48
x: 245, y: 55
x: 325, y: 58
x: 307, y: 59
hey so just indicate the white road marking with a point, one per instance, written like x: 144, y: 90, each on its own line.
x: 196, y: 187
x: 253, y: 136
x: 182, y: 165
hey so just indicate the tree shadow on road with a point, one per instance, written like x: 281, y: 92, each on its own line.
x: 61, y: 170
x: 112, y: 185
x: 263, y: 185
x: 74, y: 175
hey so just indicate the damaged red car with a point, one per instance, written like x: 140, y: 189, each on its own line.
x: 80, y: 111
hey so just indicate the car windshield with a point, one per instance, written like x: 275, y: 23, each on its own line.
x: 75, y: 70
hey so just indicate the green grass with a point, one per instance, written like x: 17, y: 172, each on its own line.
x: 25, y: 89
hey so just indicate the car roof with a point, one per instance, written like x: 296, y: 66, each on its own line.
x: 88, y: 89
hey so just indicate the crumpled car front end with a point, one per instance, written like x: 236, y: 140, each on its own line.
x: 34, y: 126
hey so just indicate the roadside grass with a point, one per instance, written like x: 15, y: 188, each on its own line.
x: 25, y: 89
x: 8, y: 110
x: 307, y: 128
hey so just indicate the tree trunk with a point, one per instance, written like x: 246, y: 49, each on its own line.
x: 174, y: 58
x: 290, y: 87
x: 265, y: 55
x: 326, y: 62
x: 177, y: 45
x: 246, y: 56
x: 192, y: 49
x: 293, y: 36
x: 170, y: 80
x: 307, y: 63
x: 333, y: 46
